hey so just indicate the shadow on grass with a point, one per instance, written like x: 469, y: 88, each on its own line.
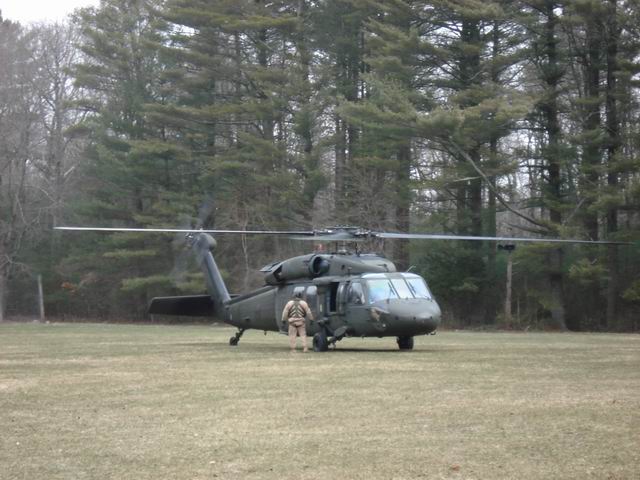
x: 255, y: 347
x: 198, y: 344
x: 383, y: 350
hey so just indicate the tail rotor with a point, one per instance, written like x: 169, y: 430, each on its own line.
x: 182, y: 243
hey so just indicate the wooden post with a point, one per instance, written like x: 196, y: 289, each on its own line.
x: 507, y: 302
x: 508, y: 318
x: 40, y: 298
x: 3, y: 295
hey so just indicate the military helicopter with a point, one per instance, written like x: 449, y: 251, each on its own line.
x: 350, y: 293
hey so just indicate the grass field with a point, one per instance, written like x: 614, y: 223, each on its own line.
x: 81, y: 401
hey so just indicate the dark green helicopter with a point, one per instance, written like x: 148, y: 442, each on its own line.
x: 351, y: 294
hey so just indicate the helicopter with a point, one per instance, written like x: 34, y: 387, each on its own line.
x: 350, y: 293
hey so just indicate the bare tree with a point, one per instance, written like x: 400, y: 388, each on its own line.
x: 36, y: 157
x: 58, y: 152
x: 19, y: 108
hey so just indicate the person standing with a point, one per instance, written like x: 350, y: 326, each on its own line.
x: 295, y: 312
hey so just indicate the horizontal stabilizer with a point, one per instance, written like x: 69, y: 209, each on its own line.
x: 188, y: 306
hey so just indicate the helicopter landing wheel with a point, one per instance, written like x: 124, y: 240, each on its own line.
x: 320, y: 342
x: 233, y: 341
x: 405, y: 343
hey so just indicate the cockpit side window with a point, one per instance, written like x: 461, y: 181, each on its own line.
x: 356, y: 294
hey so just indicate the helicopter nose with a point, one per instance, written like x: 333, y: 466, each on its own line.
x: 421, y: 315
x: 429, y: 317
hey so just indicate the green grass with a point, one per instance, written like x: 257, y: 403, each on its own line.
x: 154, y: 402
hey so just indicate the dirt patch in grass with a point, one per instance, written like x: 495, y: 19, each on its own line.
x: 123, y: 401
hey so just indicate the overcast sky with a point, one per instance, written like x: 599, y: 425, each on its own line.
x: 25, y: 11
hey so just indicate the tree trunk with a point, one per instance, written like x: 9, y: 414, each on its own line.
x: 557, y: 308
x: 475, y: 199
x: 470, y: 76
x: 403, y: 204
x: 491, y: 226
x: 461, y: 209
x: 613, y: 131
x: 340, y: 169
x: 305, y: 113
x: 305, y: 60
x: 268, y: 122
x: 591, y: 126
x: 549, y: 107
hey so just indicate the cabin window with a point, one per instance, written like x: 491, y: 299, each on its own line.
x: 311, y: 296
x: 333, y: 297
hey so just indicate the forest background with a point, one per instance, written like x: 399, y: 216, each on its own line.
x: 445, y: 116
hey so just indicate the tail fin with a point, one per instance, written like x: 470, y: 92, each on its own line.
x: 203, y: 244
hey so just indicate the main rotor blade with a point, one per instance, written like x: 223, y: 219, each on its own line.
x: 425, y: 236
x: 347, y: 236
x: 185, y: 230
x: 332, y: 237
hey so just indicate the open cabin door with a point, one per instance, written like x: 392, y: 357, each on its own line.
x: 335, y: 298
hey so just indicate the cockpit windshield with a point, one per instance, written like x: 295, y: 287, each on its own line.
x: 381, y: 289
x: 402, y: 288
x: 418, y: 288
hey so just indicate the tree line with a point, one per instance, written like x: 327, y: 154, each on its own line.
x: 513, y: 118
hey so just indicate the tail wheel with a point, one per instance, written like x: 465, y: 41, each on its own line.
x: 320, y: 342
x: 405, y: 343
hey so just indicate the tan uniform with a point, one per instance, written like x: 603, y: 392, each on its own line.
x: 297, y: 323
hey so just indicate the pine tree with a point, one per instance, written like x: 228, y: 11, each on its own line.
x: 548, y: 62
x: 243, y: 108
x: 343, y: 47
x: 130, y: 169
